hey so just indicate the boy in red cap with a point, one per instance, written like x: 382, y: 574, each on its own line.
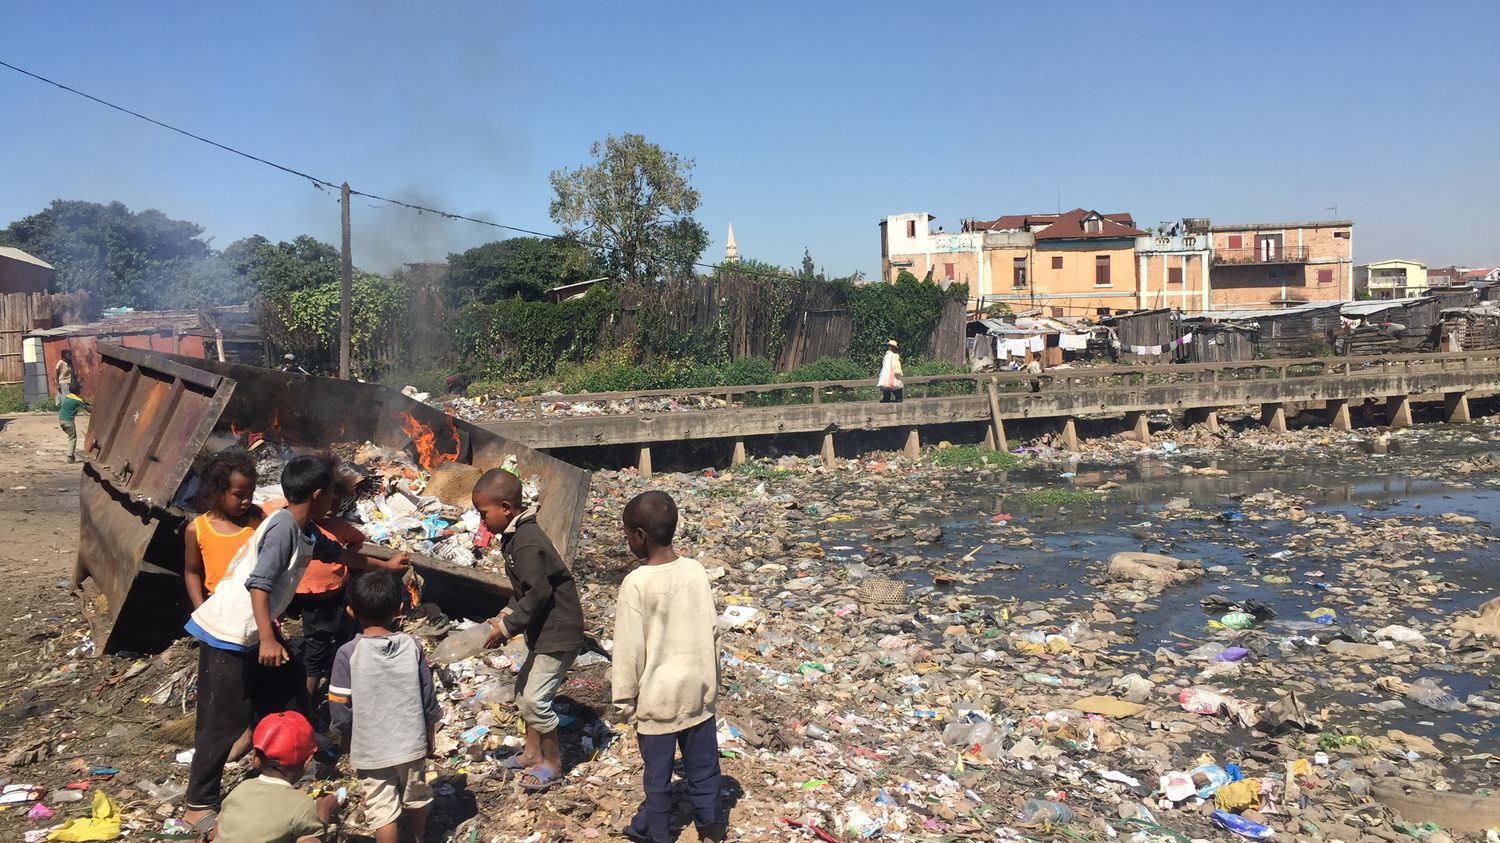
x: 269, y: 808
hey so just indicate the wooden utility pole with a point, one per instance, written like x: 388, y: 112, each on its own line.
x: 346, y: 288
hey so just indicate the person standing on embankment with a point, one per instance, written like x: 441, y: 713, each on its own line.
x: 890, y: 375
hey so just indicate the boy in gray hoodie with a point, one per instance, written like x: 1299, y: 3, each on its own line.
x: 389, y: 733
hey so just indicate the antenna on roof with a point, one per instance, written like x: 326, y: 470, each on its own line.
x: 1334, y: 209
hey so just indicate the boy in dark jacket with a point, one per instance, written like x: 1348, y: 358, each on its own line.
x: 544, y: 607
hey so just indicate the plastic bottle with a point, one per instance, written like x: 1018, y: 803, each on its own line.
x: 463, y: 644
x: 1040, y: 811
x: 1426, y: 692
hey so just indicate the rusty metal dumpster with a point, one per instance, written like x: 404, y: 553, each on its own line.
x: 153, y: 416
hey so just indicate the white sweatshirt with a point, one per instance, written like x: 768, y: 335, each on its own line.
x: 666, y: 653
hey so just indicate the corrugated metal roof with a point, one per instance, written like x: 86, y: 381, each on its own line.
x: 1370, y: 308
x: 1252, y: 315
x: 18, y: 255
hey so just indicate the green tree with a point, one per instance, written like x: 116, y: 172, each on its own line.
x: 635, y: 205
x: 276, y: 270
x: 144, y: 260
x: 521, y: 266
x: 807, y: 264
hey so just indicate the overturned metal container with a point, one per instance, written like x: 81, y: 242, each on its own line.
x: 153, y: 416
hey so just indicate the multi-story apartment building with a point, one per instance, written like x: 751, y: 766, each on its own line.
x: 1174, y: 267
x: 1084, y: 263
x: 1078, y: 263
x: 1281, y: 264
x: 1392, y: 279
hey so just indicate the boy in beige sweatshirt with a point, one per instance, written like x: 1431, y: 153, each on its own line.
x: 666, y: 670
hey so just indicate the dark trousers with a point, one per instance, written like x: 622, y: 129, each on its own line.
x: 234, y: 691
x: 891, y: 396
x: 700, y: 765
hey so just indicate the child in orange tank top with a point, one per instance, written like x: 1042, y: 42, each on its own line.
x: 212, y: 539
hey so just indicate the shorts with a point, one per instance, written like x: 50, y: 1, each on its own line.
x: 325, y: 628
x: 390, y: 790
x: 536, y: 686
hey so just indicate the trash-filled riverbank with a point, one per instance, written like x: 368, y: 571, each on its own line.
x: 935, y: 649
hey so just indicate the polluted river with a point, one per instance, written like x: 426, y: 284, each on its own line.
x: 1211, y: 635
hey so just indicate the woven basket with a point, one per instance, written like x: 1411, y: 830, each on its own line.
x: 882, y: 592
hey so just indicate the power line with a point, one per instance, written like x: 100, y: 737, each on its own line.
x: 326, y: 183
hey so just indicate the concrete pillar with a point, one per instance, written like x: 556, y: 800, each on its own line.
x: 738, y: 457
x: 1273, y: 415
x: 1338, y: 414
x: 1069, y: 434
x: 1456, y: 408
x: 827, y: 455
x: 1398, y: 411
x: 1138, y: 427
x: 1202, y: 415
x: 643, y: 463
x: 913, y: 443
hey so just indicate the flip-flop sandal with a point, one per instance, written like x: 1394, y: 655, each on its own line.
x: 541, y: 778
x: 205, y: 824
x: 513, y: 763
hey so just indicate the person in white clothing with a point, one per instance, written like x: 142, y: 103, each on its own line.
x: 665, y: 675
x: 890, y: 375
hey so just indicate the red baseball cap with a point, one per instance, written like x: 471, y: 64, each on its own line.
x: 285, y: 738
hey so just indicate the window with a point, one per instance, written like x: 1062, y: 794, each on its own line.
x: 1101, y: 270
x: 1018, y: 272
x: 1093, y: 225
x: 911, y: 228
x: 948, y: 271
x: 1325, y: 276
x: 1174, y: 275
x: 1102, y: 311
x: 1341, y: 235
x: 1057, y: 261
x: 1236, y: 241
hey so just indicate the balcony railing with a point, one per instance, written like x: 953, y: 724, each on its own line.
x: 1261, y: 255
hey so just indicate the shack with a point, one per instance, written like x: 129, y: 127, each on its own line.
x: 1306, y: 330
x: 993, y: 343
x: 1389, y: 326
x: 1219, y: 342
x: 24, y: 305
x: 1460, y: 296
x: 1145, y: 336
x: 231, y: 334
x: 1470, y: 328
x: 157, y: 416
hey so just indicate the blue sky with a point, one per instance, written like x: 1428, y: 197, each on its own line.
x: 808, y: 121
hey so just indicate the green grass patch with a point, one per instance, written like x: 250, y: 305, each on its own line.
x: 11, y: 400
x: 1047, y: 498
x: 973, y: 456
x: 757, y: 470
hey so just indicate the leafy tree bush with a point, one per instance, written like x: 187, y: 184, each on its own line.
x: 522, y: 266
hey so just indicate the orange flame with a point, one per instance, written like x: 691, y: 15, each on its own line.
x: 413, y: 592
x: 425, y: 441
x: 275, y: 427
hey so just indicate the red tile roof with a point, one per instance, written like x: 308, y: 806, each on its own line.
x: 1068, y: 226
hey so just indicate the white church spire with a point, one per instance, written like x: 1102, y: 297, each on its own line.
x: 731, y: 251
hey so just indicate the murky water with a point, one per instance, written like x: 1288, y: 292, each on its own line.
x: 1072, y: 543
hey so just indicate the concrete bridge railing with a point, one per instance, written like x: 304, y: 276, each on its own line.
x: 1198, y: 390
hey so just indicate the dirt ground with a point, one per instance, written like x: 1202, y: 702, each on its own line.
x: 39, y: 508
